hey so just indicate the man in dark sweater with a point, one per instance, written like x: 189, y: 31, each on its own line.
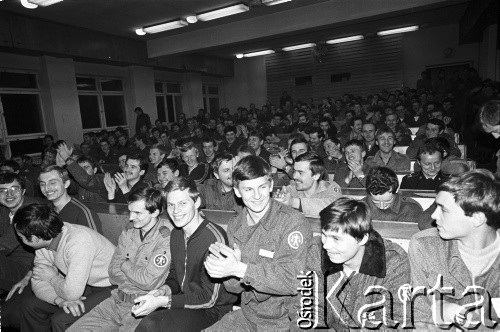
x: 190, y: 299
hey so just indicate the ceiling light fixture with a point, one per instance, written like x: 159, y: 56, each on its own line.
x: 274, y: 2
x: 140, y: 32
x: 399, y: 30
x: 252, y: 54
x: 44, y: 3
x: 165, y: 26
x: 344, y: 39
x: 28, y: 5
x: 192, y: 19
x: 239, y: 56
x: 218, y: 13
x: 298, y: 47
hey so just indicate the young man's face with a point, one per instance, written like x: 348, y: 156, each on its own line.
x: 155, y: 156
x: 385, y: 142
x: 354, y: 153
x: 303, y: 177
x: 357, y: 126
x: 255, y: 193
x: 314, y: 139
x: 19, y: 161
x: 331, y: 148
x: 165, y: 174
x: 391, y: 121
x: 190, y: 157
x: 383, y: 201
x: 181, y: 208
x: 122, y: 140
x: 11, y: 195
x: 324, y: 126
x: 225, y: 172
x: 140, y: 217
x: 49, y: 158
x: 430, y: 163
x: 432, y: 130
x: 122, y: 162
x: 164, y: 138
x: 87, y: 167
x: 369, y: 132
x: 298, y: 149
x: 133, y: 170
x: 52, y: 185
x: 452, y: 223
x: 341, y: 248
x: 208, y: 149
x: 254, y: 142
x: 104, y: 146
x: 230, y: 137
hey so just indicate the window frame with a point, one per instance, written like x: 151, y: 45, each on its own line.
x: 174, y: 95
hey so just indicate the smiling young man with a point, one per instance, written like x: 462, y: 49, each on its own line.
x: 352, y: 172
x: 464, y: 250
x: 386, y: 156
x: 140, y: 264
x: 489, y: 115
x: 309, y: 192
x: 157, y: 154
x: 193, y: 169
x: 166, y: 171
x: 189, y: 300
x: 256, y: 142
x: 267, y: 249
x: 357, y: 257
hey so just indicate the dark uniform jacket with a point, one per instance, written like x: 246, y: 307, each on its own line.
x: 403, y: 209
x: 275, y: 251
x: 384, y: 264
x: 397, y: 162
x: 213, y: 198
x: 91, y: 188
x: 420, y: 182
x: 199, y: 174
x: 77, y: 213
x: 342, y: 173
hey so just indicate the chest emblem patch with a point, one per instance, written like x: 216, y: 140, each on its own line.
x: 295, y: 239
x: 160, y: 260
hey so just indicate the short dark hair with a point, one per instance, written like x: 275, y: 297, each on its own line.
x: 256, y: 133
x: 207, y: 139
x: 333, y: 139
x: 441, y: 144
x: 9, y: 177
x: 429, y: 148
x: 12, y: 164
x: 85, y: 159
x: 356, y: 118
x: 249, y: 168
x: 152, y: 197
x: 171, y: 163
x: 476, y: 191
x: 381, y: 180
x: 228, y: 129
x: 489, y: 112
x: 141, y: 137
x: 299, y: 140
x: 38, y: 220
x: 316, y: 164
x: 219, y: 158
x: 438, y: 123
x: 384, y: 130
x: 162, y: 148
x: 182, y: 183
x: 318, y: 130
x: 356, y: 143
x: 245, y: 149
x: 350, y: 216
x: 143, y: 163
x: 63, y: 173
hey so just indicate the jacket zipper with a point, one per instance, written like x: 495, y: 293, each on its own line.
x: 185, y: 262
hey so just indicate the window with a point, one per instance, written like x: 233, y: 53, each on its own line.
x: 168, y: 101
x: 341, y: 77
x: 102, y: 102
x: 211, y: 99
x: 303, y: 80
x: 22, y: 123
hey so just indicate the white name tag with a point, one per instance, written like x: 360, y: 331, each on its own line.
x: 266, y: 253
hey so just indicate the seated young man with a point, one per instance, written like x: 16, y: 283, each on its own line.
x: 489, y: 116
x: 190, y: 300
x: 352, y: 172
x: 386, y: 156
x: 268, y: 245
x: 256, y: 142
x: 384, y: 201
x: 334, y: 154
x: 464, y: 250
x: 193, y: 169
x: 218, y: 193
x: 308, y: 192
x: 166, y: 171
x: 434, y: 128
x: 157, y: 153
x: 140, y: 263
x: 357, y: 257
x: 122, y: 184
x: 430, y: 175
x: 70, y: 274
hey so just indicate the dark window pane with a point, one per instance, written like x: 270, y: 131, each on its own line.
x: 85, y: 83
x: 89, y: 112
x: 160, y: 108
x: 178, y: 106
x: 214, y: 105
x: 27, y: 146
x: 158, y: 87
x: 204, y: 89
x: 111, y: 85
x: 303, y: 80
x: 114, y: 109
x: 173, y: 88
x: 22, y: 113
x: 213, y: 90
x: 17, y: 80
x: 170, y: 108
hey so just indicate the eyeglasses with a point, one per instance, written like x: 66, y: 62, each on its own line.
x: 11, y: 191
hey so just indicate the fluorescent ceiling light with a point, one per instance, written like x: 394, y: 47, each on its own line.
x: 165, y: 26
x: 140, y: 32
x: 44, y: 3
x: 28, y: 5
x: 192, y: 19
x: 399, y: 30
x: 249, y: 55
x: 344, y: 39
x: 239, y: 56
x: 231, y: 10
x: 298, y: 47
x: 274, y: 2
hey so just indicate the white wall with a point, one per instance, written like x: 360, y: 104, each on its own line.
x: 425, y: 47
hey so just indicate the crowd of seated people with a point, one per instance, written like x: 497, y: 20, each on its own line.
x: 271, y: 167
